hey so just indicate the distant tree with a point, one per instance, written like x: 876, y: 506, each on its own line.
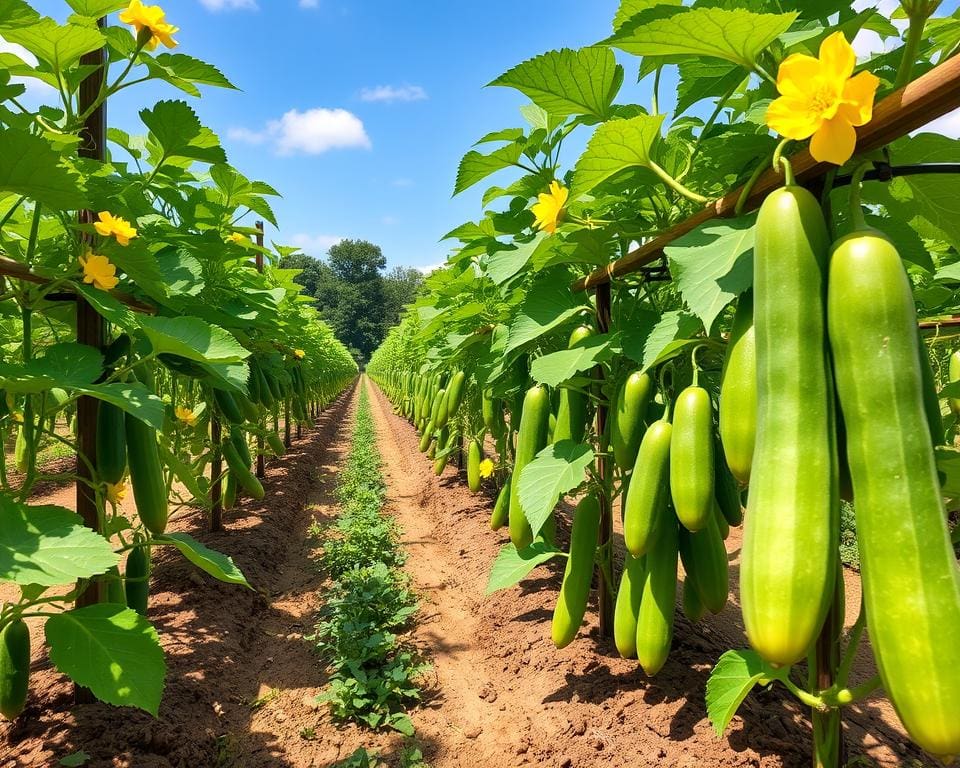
x: 400, y: 288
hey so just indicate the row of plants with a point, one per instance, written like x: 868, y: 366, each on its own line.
x: 768, y: 366
x: 134, y: 297
x: 369, y: 604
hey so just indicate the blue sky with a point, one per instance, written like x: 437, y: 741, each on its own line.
x: 358, y: 111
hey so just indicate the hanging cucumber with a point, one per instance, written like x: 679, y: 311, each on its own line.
x: 14, y: 668
x: 655, y: 620
x: 572, y: 410
x: 791, y: 526
x: 627, y: 418
x: 276, y: 444
x: 626, y: 611
x: 578, y: 574
x: 705, y: 561
x: 498, y: 518
x: 648, y: 494
x: 21, y: 454
x: 531, y: 439
x: 474, y: 457
x: 738, y: 393
x: 111, y: 443
x: 954, y: 372
x: 228, y: 406
x: 240, y: 465
x: 146, y: 474
x: 137, y: 580
x: 911, y: 583
x: 693, y: 607
x: 725, y: 489
x: 455, y: 393
x: 691, y: 458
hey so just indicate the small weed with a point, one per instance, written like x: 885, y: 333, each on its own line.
x: 262, y: 701
x: 308, y: 734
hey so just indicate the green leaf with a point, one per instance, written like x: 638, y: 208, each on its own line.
x: 503, y: 265
x: 712, y: 265
x: 185, y: 72
x: 548, y: 304
x: 735, y: 35
x: 630, y: 8
x: 108, y: 307
x: 568, y: 82
x: 96, y: 8
x: 705, y: 79
x: 730, y: 681
x: 29, y: 166
x: 557, y: 470
x: 67, y: 364
x: 218, y: 565
x: 615, y: 146
x: 186, y: 474
x: 555, y: 368
x: 111, y: 650
x: 177, y: 129
x: 669, y: 337
x: 511, y: 567
x: 16, y: 13
x: 60, y: 47
x: 48, y: 545
x: 134, y: 399
x: 476, y: 166
x: 74, y: 760
x: 193, y: 339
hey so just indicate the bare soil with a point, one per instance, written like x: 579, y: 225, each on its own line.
x: 242, y: 679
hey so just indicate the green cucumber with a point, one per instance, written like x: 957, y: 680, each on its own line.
x: 241, y: 468
x: 474, y: 457
x: 499, y: 516
x: 705, y: 561
x: 531, y: 439
x: 111, y: 443
x: 626, y: 611
x: 626, y: 419
x: 137, y: 582
x: 578, y: 574
x: 738, y: 393
x: 228, y: 406
x: 572, y: 411
x: 14, y: 668
x: 647, y: 495
x: 655, y: 620
x: 691, y: 458
x: 146, y: 474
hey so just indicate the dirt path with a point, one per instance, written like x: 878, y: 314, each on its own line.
x: 506, y: 696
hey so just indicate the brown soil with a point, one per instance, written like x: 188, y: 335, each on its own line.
x: 241, y: 679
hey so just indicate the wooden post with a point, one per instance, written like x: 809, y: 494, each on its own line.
x: 261, y: 468
x: 216, y: 469
x: 605, y: 470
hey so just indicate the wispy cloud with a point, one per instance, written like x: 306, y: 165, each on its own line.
x: 312, y: 132
x: 402, y: 183
x: 230, y: 5
x: 431, y: 267
x: 314, y: 245
x: 388, y: 94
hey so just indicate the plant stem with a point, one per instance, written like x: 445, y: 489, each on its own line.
x: 675, y: 185
x: 918, y: 22
x: 856, y: 209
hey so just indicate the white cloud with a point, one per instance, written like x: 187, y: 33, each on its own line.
x: 309, y: 3
x: 315, y: 245
x: 431, y: 267
x: 391, y: 93
x: 402, y: 183
x: 867, y: 43
x: 312, y: 132
x: 229, y: 5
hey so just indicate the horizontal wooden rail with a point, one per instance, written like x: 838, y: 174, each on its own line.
x: 18, y: 271
x: 930, y: 96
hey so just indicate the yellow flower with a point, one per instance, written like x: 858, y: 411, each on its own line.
x: 185, y: 415
x: 116, y: 492
x: 819, y: 98
x: 152, y: 18
x: 98, y: 271
x: 236, y: 237
x: 486, y: 468
x: 299, y: 354
x: 115, y: 226
x: 548, y: 211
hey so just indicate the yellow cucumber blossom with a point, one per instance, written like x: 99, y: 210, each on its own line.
x: 236, y: 237
x: 116, y: 492
x: 113, y: 226
x: 486, y: 468
x: 98, y: 271
x: 820, y: 98
x: 153, y: 19
x: 299, y: 354
x: 548, y: 211
x: 185, y: 415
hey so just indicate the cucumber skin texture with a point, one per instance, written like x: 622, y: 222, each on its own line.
x: 111, y: 443
x: 910, y: 578
x: 137, y: 581
x: 691, y: 458
x: 455, y: 393
x: 627, y: 419
x: 276, y: 444
x: 112, y: 588
x: 531, y: 439
x: 250, y: 411
x: 693, y: 607
x: 726, y: 491
x: 474, y: 458
x: 240, y: 469
x: 954, y: 370
x: 498, y: 518
x: 738, y: 393
x: 626, y: 610
x: 705, y: 561
x: 791, y: 527
x: 931, y: 399
x: 572, y: 410
x: 21, y: 455
x: 492, y: 412
x: 578, y: 574
x: 655, y: 621
x: 146, y: 474
x: 229, y: 498
x: 228, y: 406
x: 646, y: 502
x: 14, y: 668
x: 427, y: 436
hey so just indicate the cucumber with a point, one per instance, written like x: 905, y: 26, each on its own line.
x: 111, y: 443
x: 455, y: 393
x: 228, y: 500
x: 253, y: 381
x: 627, y: 608
x: 499, y: 516
x: 250, y: 412
x: 14, y: 668
x: 240, y: 468
x: 911, y: 583
x: 693, y: 607
x: 427, y: 436
x: 531, y: 439
x: 791, y: 526
x: 137, y: 581
x: 655, y: 620
x: 954, y: 372
x: 228, y: 406
x: 691, y: 458
x: 21, y: 454
x: 146, y: 474
x: 491, y: 410
x: 276, y: 444
x: 627, y: 419
x: 474, y: 457
x: 738, y: 393
x: 571, y: 423
x: 578, y: 574
x: 112, y: 589
x: 705, y: 561
x: 647, y: 496
x: 931, y: 399
x: 726, y: 490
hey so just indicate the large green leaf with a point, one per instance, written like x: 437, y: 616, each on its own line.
x: 476, y: 166
x: 511, y: 566
x: 67, y: 364
x: 58, y: 46
x: 16, y: 13
x: 557, y: 470
x: 555, y: 368
x: 215, y: 563
x: 669, y: 337
x: 615, y: 146
x: 735, y: 35
x: 193, y: 339
x: 568, y: 82
x: 133, y: 398
x: 705, y: 79
x: 48, y: 545
x: 630, y: 8
x: 712, y: 265
x: 177, y: 129
x: 29, y: 166
x: 548, y: 304
x: 504, y: 264
x: 729, y: 683
x: 185, y: 72
x: 96, y: 8
x: 113, y: 651
x: 108, y: 307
